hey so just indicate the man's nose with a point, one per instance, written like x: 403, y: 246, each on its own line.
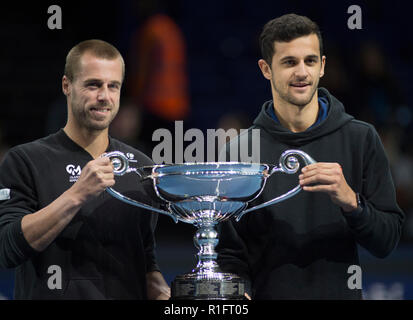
x: 301, y: 71
x: 103, y: 93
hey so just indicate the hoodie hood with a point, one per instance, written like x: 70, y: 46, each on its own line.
x: 336, y: 118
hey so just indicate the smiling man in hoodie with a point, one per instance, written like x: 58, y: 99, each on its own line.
x: 303, y: 248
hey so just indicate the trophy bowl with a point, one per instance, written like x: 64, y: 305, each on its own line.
x: 205, y: 194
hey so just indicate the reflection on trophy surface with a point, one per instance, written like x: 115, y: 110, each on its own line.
x: 204, y: 194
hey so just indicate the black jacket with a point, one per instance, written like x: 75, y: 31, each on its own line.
x: 302, y: 248
x: 103, y: 253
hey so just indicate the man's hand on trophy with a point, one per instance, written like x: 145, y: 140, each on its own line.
x: 96, y: 176
x: 156, y: 286
x: 328, y: 177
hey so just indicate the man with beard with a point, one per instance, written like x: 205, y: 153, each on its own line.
x: 66, y: 237
x: 306, y: 247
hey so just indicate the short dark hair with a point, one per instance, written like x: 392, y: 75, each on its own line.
x: 98, y: 48
x: 285, y: 29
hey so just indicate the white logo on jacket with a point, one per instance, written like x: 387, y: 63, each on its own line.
x: 74, y: 172
x: 5, y: 194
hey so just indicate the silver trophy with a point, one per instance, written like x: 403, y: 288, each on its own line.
x: 205, y: 194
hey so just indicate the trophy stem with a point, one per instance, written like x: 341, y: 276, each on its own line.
x: 207, y: 281
x: 206, y: 239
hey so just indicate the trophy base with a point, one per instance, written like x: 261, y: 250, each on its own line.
x: 226, y: 286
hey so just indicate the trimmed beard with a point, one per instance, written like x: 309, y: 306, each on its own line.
x: 290, y: 99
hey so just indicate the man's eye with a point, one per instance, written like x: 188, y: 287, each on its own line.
x: 289, y: 62
x: 114, y: 86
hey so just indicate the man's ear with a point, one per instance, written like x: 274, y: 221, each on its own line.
x: 323, y: 64
x: 265, y: 69
x: 66, y: 85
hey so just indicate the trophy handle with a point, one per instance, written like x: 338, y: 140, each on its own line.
x: 120, y: 167
x: 288, y: 164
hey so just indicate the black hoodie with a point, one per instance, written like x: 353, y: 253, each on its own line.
x: 302, y: 248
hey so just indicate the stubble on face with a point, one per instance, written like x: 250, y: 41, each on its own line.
x: 299, y: 101
x: 89, y: 109
x: 84, y: 117
x: 296, y: 70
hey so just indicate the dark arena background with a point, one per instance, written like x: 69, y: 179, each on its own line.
x: 221, y: 86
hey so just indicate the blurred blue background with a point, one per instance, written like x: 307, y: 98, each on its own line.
x: 212, y: 47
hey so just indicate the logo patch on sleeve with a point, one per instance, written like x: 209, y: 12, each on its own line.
x: 4, y: 194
